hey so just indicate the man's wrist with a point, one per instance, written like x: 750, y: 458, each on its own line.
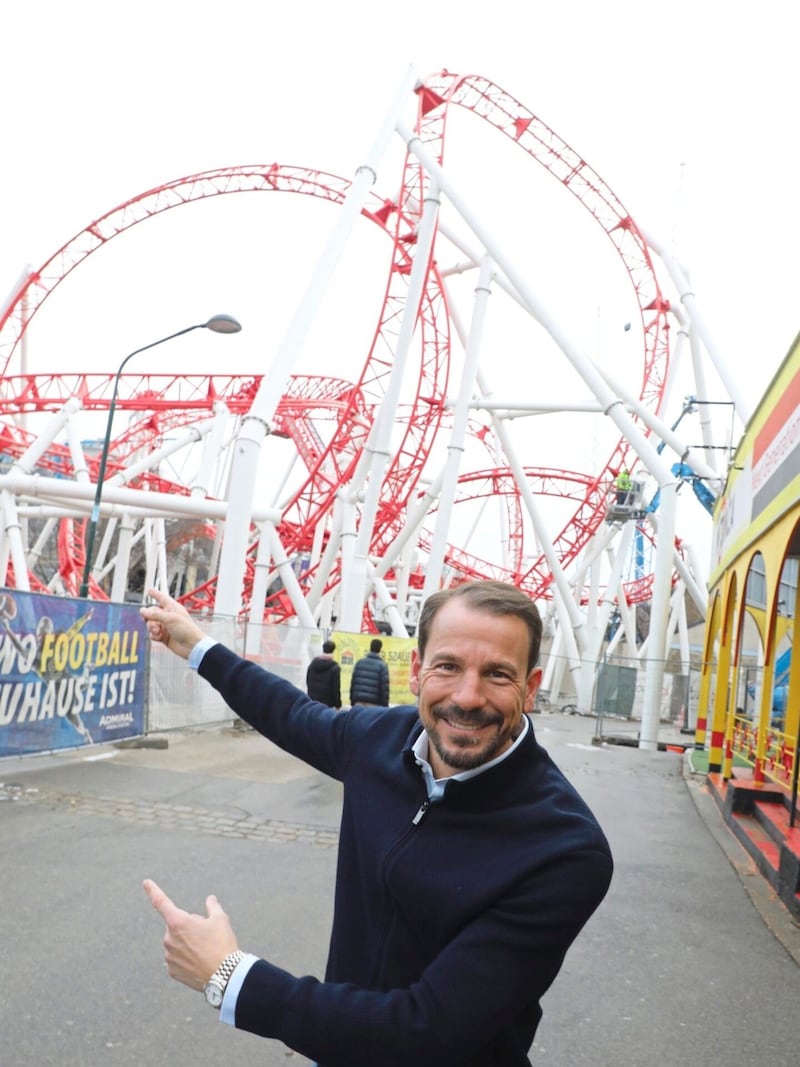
x: 218, y: 982
x: 196, y: 655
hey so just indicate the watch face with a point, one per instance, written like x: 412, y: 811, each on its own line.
x: 214, y: 994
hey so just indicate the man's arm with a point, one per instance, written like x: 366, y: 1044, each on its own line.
x: 471, y: 996
x: 337, y: 687
x: 353, y: 681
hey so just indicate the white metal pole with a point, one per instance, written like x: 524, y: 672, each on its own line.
x: 258, y: 597
x: 458, y: 432
x: 119, y: 584
x: 377, y: 450
x: 212, y: 450
x: 688, y: 300
x: 289, y: 578
x: 256, y: 424
x: 13, y: 538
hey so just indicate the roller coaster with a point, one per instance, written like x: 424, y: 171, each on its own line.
x: 408, y: 435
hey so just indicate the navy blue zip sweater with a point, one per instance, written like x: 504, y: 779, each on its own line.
x: 452, y: 919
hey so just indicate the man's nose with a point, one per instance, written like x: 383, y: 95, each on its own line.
x: 470, y: 691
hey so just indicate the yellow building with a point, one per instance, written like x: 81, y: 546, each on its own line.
x: 749, y: 698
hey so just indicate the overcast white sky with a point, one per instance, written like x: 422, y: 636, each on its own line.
x: 687, y: 110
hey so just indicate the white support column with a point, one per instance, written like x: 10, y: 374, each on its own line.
x: 414, y: 520
x: 288, y: 577
x: 119, y: 583
x: 387, y: 604
x: 627, y: 614
x: 80, y: 467
x: 659, y: 611
x: 162, y: 571
x: 683, y: 635
x: 687, y: 573
x: 213, y: 445
x: 35, y: 552
x: 458, y: 433
x: 377, y: 450
x: 569, y: 617
x: 149, y: 556
x: 45, y: 438
x: 262, y: 570
x: 697, y: 462
x: 100, y: 567
x: 12, y: 544
x: 593, y: 642
x: 687, y: 298
x: 78, y: 496
x: 671, y: 628
x: 336, y: 541
x: 402, y: 574
x: 153, y: 460
x: 256, y: 424
x: 700, y: 387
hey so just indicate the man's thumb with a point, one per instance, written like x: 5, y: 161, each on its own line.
x: 213, y: 906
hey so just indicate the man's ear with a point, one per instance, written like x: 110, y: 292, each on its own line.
x: 413, y: 677
x: 532, y: 688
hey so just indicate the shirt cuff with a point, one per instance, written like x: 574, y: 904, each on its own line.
x: 227, y: 1011
x: 199, y: 650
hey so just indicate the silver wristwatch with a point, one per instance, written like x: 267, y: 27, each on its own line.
x: 217, y: 983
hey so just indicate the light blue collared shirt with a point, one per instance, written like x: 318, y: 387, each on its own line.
x: 227, y: 1011
x: 199, y: 650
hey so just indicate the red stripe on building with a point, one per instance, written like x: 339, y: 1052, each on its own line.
x: 778, y: 417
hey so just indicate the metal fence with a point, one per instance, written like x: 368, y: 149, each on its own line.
x: 617, y: 700
x: 179, y: 698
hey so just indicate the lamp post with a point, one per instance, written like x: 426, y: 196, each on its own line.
x: 217, y: 324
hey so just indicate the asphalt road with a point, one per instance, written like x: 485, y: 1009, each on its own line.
x: 688, y: 960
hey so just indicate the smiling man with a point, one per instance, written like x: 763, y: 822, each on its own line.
x: 467, y: 862
x: 474, y: 677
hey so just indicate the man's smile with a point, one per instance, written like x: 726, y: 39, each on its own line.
x: 464, y: 723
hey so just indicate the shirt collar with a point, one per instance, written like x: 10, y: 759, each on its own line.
x: 421, y: 749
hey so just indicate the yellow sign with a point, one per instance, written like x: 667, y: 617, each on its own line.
x: 396, y: 652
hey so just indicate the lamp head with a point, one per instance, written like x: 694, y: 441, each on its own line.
x: 222, y: 324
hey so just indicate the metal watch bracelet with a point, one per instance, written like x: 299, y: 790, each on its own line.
x: 222, y: 975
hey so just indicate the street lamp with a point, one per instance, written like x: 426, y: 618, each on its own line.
x: 218, y: 324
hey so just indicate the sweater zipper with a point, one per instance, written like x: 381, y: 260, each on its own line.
x: 387, y: 911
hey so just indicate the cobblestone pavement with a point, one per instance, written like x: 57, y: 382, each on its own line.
x: 177, y: 816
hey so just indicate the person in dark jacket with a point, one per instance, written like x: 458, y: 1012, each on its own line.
x: 323, y: 677
x: 468, y: 863
x: 369, y: 682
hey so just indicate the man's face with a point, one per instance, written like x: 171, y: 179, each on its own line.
x: 473, y: 686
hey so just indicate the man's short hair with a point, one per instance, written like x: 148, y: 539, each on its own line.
x: 375, y: 644
x: 495, y: 598
x: 328, y: 647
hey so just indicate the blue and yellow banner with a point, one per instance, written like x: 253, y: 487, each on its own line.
x: 72, y: 672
